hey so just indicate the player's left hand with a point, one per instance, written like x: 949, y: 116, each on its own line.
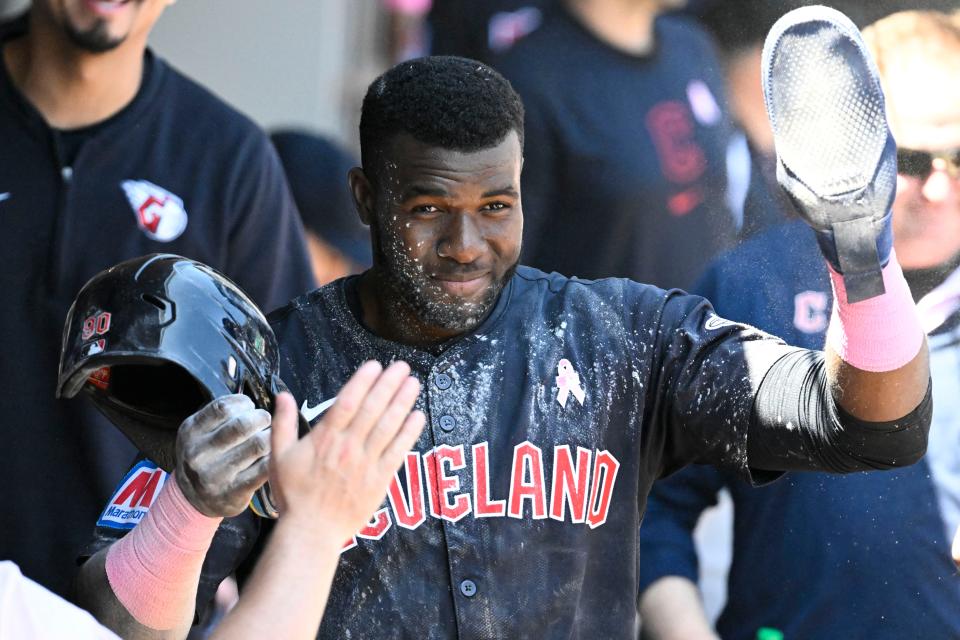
x: 336, y: 476
x: 836, y: 157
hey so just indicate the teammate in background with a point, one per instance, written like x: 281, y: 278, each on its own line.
x: 553, y: 404
x: 878, y: 543
x: 482, y: 29
x: 107, y: 154
x: 326, y: 497
x: 316, y: 169
x: 739, y: 30
x: 627, y: 132
x: 476, y: 29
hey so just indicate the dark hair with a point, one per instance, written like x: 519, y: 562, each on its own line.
x: 450, y: 102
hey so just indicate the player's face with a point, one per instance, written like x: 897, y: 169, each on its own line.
x: 448, y: 228
x: 925, y: 115
x: 97, y: 26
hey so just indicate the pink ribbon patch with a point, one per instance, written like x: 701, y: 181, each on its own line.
x: 568, y: 382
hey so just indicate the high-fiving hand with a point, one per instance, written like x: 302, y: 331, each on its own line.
x: 336, y: 476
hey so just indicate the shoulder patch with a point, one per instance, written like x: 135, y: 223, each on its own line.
x: 132, y: 499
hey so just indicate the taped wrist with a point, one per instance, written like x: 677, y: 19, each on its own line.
x: 880, y: 334
x: 797, y: 425
x: 154, y: 569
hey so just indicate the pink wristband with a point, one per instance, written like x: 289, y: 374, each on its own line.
x: 880, y: 334
x: 154, y: 569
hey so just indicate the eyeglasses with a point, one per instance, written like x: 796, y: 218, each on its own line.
x: 920, y: 164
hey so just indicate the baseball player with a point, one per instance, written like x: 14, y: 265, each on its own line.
x: 552, y: 404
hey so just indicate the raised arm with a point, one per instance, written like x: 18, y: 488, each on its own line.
x: 837, y: 162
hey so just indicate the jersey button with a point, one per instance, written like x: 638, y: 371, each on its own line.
x: 443, y: 381
x: 468, y: 588
x: 447, y: 423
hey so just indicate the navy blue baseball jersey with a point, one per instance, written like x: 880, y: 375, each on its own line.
x: 625, y: 155
x: 177, y: 171
x: 516, y: 514
x: 866, y: 555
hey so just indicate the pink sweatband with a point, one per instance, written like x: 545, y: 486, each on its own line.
x: 154, y: 569
x: 879, y: 334
x: 417, y: 7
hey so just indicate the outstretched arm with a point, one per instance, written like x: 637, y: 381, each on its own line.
x: 837, y: 162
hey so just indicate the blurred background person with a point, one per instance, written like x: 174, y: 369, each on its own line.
x: 863, y: 555
x: 482, y: 29
x: 739, y: 29
x: 316, y: 169
x: 108, y: 153
x: 408, y: 34
x: 477, y: 29
x: 626, y: 139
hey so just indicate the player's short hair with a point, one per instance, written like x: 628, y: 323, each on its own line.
x: 446, y: 101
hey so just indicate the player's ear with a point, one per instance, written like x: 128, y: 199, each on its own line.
x: 363, y: 196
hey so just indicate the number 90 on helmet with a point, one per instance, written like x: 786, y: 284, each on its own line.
x: 152, y: 340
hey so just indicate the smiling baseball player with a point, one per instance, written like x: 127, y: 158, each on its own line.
x: 553, y: 404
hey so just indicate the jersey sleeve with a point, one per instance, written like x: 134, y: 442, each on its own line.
x: 131, y: 502
x: 673, y: 509
x: 707, y: 371
x: 267, y: 252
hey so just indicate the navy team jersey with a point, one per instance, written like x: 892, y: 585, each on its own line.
x: 516, y: 514
x: 625, y: 156
x: 865, y: 555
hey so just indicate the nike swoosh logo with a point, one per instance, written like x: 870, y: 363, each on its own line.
x: 311, y: 413
x: 4, y: 196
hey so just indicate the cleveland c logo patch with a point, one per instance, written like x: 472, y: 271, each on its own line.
x: 160, y: 214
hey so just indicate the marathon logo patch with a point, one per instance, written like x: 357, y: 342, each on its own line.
x: 160, y: 214
x: 132, y: 499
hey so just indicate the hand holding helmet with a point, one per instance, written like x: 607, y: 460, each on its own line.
x: 160, y: 344
x: 221, y: 455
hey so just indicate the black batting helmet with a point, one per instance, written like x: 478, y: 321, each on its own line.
x: 153, y: 339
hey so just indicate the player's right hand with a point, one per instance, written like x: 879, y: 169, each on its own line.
x: 333, y: 479
x: 222, y: 455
